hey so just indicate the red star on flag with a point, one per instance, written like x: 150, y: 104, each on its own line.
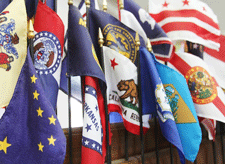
x: 186, y: 2
x: 113, y: 63
x: 204, y: 9
x: 165, y: 4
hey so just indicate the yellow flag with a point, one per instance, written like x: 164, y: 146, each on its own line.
x: 13, y: 47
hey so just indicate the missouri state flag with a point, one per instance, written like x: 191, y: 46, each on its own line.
x: 122, y: 89
x: 13, y: 43
x: 48, y: 49
x: 189, y: 20
x: 182, y: 106
x: 139, y: 20
x: 155, y: 101
x: 29, y: 129
x: 82, y: 61
x: 207, y: 95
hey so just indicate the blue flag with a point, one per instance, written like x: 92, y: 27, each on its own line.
x: 117, y: 35
x: 161, y: 44
x: 155, y: 101
x: 4, y: 4
x: 183, y: 109
x: 30, y: 131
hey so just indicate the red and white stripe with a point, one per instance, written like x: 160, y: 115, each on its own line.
x: 190, y: 20
x: 210, y: 126
x: 215, y: 109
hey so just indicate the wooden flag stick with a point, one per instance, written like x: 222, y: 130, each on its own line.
x: 101, y: 42
x: 137, y: 45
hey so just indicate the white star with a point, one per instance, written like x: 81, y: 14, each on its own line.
x: 41, y: 34
x: 93, y: 145
x: 54, y: 38
x: 50, y: 35
x: 97, y: 147
x: 93, y: 92
x: 86, y: 142
x: 54, y: 69
x: 195, y: 46
x: 59, y: 47
x: 50, y: 71
x: 41, y: 72
x: 87, y: 88
x: 46, y: 34
x: 46, y: 72
x: 59, y: 52
x: 57, y: 42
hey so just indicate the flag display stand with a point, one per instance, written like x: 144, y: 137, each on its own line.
x: 101, y: 41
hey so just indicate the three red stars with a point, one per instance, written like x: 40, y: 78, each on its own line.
x: 186, y: 2
x: 165, y: 4
x: 113, y: 63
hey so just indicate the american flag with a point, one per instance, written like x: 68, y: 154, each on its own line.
x: 187, y: 20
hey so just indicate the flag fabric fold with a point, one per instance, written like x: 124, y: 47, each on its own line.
x: 122, y: 93
x: 216, y: 61
x: 13, y: 34
x: 187, y: 20
x: 183, y: 109
x: 208, y: 97
x: 155, y: 101
x: 82, y: 7
x: 139, y: 20
x: 82, y: 61
x: 48, y: 49
x: 30, y: 131
x: 117, y: 35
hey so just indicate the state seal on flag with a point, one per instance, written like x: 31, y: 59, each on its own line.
x: 47, y: 53
x: 201, y: 85
x: 120, y: 40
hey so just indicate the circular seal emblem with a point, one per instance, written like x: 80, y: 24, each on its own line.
x: 201, y: 85
x: 47, y: 53
x: 120, y: 40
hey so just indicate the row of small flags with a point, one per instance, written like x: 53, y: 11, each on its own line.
x: 175, y: 93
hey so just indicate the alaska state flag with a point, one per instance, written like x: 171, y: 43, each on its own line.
x: 181, y: 105
x: 117, y: 35
x: 29, y: 129
x: 48, y: 48
x: 83, y: 62
x: 155, y: 101
x: 13, y: 43
x: 139, y: 20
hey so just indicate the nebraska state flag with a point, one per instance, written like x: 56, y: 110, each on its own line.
x: 208, y: 97
x: 13, y: 43
x: 48, y: 48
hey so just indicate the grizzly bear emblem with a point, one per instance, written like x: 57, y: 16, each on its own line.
x: 131, y: 90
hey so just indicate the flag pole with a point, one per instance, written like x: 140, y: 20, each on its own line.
x: 221, y: 139
x: 101, y: 42
x: 30, y: 36
x: 120, y: 2
x: 171, y: 146
x: 87, y: 3
x: 70, y: 3
x: 137, y: 45
x: 149, y: 48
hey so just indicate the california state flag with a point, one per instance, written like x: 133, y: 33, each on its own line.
x: 208, y: 97
x: 122, y: 93
x: 13, y: 47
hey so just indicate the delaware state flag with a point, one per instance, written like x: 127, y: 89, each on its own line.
x: 13, y: 43
x: 48, y: 48
x: 208, y: 97
x: 155, y: 101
